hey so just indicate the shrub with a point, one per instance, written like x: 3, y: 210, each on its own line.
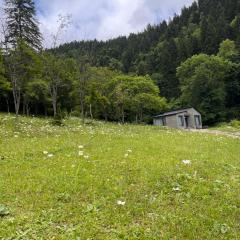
x: 235, y: 123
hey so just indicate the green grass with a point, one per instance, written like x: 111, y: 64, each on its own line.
x: 232, y: 127
x: 69, y: 196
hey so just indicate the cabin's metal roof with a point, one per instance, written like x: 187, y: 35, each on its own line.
x: 173, y: 112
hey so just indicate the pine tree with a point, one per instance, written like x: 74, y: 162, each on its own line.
x: 208, y: 35
x: 22, y: 24
x: 235, y: 25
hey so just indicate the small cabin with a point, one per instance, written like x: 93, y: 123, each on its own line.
x: 188, y: 118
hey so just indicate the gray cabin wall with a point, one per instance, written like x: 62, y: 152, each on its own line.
x: 192, y: 124
x: 178, y: 122
x: 172, y: 121
x: 157, y: 122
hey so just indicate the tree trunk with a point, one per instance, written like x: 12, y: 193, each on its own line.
x: 136, y: 118
x: 23, y: 106
x: 123, y: 114
x: 7, y: 102
x: 54, y: 100
x: 82, y: 106
x: 54, y: 104
x: 17, y: 99
x: 90, y: 111
x: 83, y: 113
x: 141, y: 115
x: 105, y: 116
x: 28, y: 109
x: 16, y: 90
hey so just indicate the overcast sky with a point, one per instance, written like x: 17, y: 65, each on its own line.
x: 103, y: 19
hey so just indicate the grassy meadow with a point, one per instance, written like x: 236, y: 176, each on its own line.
x: 109, y: 181
x: 232, y: 127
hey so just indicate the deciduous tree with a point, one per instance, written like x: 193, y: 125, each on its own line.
x: 203, y: 86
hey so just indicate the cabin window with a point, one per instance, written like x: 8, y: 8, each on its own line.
x: 181, y: 121
x: 197, y: 120
x: 162, y: 121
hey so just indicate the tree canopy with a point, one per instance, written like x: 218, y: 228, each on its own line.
x: 202, y: 85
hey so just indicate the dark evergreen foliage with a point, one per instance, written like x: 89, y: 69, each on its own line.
x: 22, y: 24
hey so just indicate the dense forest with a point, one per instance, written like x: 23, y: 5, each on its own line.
x: 191, y: 60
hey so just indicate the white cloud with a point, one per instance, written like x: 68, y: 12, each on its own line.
x: 103, y: 19
x: 120, y: 21
x: 86, y: 17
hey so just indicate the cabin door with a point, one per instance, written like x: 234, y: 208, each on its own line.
x: 186, y: 121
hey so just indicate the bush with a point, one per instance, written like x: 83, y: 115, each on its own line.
x: 58, y: 120
x: 76, y: 113
x: 235, y: 123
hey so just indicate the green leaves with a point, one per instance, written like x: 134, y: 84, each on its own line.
x: 228, y: 49
x: 5, y: 86
x: 202, y: 84
x: 134, y: 98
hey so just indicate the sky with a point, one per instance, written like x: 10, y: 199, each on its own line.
x: 102, y: 19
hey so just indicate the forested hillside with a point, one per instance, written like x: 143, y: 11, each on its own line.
x: 160, y: 49
x: 191, y: 60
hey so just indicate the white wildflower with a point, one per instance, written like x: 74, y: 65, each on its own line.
x: 126, y: 155
x: 176, y: 189
x: 129, y: 151
x: 80, y: 153
x: 80, y: 146
x: 50, y: 155
x: 86, y: 156
x: 45, y: 152
x: 121, y: 203
x: 186, y: 162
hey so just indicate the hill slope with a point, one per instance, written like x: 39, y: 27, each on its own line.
x: 160, y: 49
